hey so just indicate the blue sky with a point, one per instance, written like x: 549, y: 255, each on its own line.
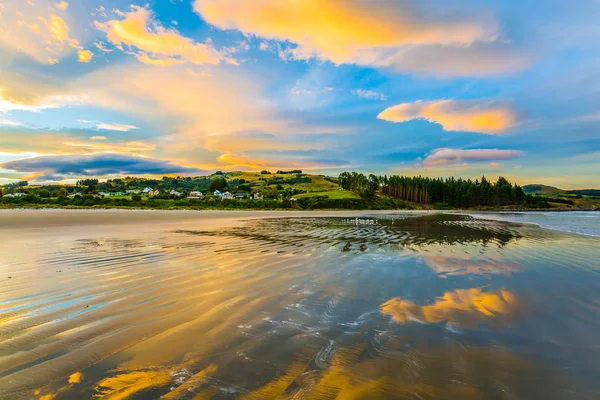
x: 112, y: 88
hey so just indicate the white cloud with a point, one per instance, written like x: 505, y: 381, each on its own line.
x: 9, y: 122
x: 368, y: 94
x: 447, y: 156
x: 109, y: 126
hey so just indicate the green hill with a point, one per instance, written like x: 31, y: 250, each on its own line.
x: 543, y: 190
x: 582, y: 199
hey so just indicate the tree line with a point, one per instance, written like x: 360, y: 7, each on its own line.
x: 453, y: 192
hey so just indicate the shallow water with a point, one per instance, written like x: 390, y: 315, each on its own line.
x: 389, y: 306
x: 582, y: 222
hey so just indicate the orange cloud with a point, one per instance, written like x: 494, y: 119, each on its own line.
x: 456, y: 115
x: 62, y: 5
x: 155, y: 44
x: 33, y: 93
x: 85, y: 56
x: 464, y: 307
x: 374, y: 32
x: 37, y: 31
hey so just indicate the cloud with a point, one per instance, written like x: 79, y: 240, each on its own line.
x: 408, y: 35
x: 464, y: 307
x: 37, y: 31
x: 84, y: 56
x: 32, y: 93
x: 155, y: 44
x: 55, y: 142
x: 118, y: 147
x: 455, y: 156
x: 108, y: 126
x: 62, y: 5
x: 9, y: 122
x: 368, y: 94
x: 197, y: 106
x: 456, y: 115
x: 100, y: 164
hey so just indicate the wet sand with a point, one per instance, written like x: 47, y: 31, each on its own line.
x: 47, y: 218
x: 246, y: 304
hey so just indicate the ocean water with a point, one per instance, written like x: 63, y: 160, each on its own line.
x: 581, y: 222
x: 189, y: 306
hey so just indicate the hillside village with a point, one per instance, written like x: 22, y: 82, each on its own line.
x: 292, y: 189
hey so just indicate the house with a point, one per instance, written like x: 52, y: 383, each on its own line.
x: 218, y: 194
x: 133, y: 191
x: 226, y: 195
x: 174, y: 193
x: 147, y: 190
x: 241, y: 195
x: 154, y: 192
x: 257, y: 196
x: 9, y: 195
x: 195, y: 195
x: 19, y: 194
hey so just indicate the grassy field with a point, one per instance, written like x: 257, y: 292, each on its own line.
x: 318, y: 182
x: 332, y: 194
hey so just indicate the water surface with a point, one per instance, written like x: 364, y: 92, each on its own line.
x: 411, y: 306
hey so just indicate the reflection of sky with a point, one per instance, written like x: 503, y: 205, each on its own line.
x: 461, y: 307
x: 185, y: 303
x: 204, y: 87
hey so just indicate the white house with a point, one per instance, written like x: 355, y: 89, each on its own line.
x: 226, y: 195
x: 195, y: 195
x: 174, y: 193
x: 147, y: 190
x: 257, y: 196
x: 218, y: 194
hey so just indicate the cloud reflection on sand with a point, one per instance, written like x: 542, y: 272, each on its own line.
x: 462, y: 307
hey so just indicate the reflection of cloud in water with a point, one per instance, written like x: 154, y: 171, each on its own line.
x: 464, y: 307
x: 445, y: 266
x: 76, y: 377
x: 126, y: 384
x: 447, y: 372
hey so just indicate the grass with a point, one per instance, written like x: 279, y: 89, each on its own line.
x: 318, y: 182
x: 332, y: 194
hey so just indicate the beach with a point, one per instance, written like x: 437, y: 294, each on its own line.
x: 261, y: 305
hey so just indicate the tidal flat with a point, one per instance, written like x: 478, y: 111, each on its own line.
x: 116, y: 304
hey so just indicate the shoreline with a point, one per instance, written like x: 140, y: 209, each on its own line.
x: 76, y: 208
x: 11, y: 219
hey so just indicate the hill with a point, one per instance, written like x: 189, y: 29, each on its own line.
x: 544, y: 190
x: 581, y: 199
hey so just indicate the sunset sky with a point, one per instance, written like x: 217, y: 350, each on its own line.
x: 187, y: 87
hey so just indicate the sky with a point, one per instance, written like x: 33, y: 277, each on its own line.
x: 109, y: 88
